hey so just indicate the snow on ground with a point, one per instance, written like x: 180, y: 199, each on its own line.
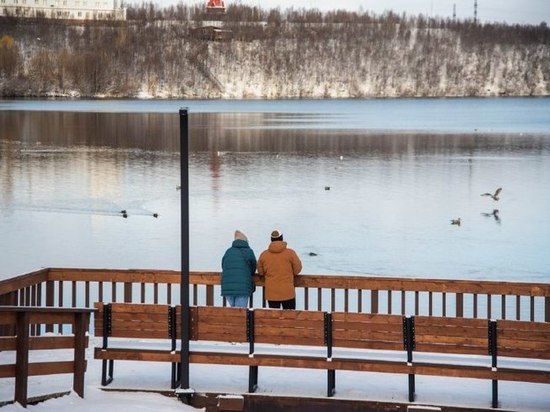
x: 148, y: 376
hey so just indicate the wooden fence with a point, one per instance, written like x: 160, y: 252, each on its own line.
x: 57, y: 287
x: 16, y: 323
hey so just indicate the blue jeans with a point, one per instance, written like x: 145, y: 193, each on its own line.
x: 237, y: 301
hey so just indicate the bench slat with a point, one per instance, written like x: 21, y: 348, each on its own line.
x: 457, y: 371
x: 423, y: 330
x: 368, y: 335
x: 153, y: 355
x: 366, y: 344
x: 277, y: 314
x: 428, y: 321
x: 454, y: 349
x: 343, y: 325
x: 452, y: 340
x: 367, y: 318
x: 520, y: 325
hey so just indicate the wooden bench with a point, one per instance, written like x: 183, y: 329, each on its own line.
x: 471, y: 339
x: 322, y: 332
x: 18, y: 321
x: 136, y: 321
x: 488, y: 340
x: 464, y: 347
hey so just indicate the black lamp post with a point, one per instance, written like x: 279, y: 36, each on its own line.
x: 184, y: 287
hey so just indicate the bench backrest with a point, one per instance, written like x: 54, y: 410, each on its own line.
x: 367, y: 331
x: 289, y: 327
x: 217, y: 324
x: 339, y: 329
x: 129, y: 320
x: 523, y: 339
x: 451, y: 335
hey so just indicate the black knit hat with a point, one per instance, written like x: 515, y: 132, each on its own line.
x: 276, y: 235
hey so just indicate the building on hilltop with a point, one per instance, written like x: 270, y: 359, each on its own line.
x: 64, y: 9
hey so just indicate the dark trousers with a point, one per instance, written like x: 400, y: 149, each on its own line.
x: 286, y: 304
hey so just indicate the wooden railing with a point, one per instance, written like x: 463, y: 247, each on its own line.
x: 16, y: 323
x: 361, y: 294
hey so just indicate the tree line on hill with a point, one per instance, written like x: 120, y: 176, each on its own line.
x: 292, y: 53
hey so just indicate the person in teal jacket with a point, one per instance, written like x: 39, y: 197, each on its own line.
x: 238, y: 267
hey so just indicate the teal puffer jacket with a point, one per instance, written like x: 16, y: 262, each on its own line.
x: 238, y: 265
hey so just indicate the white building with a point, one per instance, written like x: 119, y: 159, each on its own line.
x: 64, y: 9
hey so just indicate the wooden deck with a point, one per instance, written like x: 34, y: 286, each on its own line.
x: 408, y: 316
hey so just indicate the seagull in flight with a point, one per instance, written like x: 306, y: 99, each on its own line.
x: 495, y: 195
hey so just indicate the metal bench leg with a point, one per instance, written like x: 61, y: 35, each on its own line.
x: 252, y: 379
x: 495, y: 394
x: 331, y: 382
x: 173, y: 380
x: 107, y: 379
x: 412, y: 387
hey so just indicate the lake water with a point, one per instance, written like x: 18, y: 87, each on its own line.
x: 397, y: 172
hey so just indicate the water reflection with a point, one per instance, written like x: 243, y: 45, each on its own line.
x: 238, y: 132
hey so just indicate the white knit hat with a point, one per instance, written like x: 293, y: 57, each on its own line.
x: 240, y: 235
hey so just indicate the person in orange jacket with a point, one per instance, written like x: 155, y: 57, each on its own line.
x: 279, y: 265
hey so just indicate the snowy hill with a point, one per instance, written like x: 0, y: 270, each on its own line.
x: 297, y: 54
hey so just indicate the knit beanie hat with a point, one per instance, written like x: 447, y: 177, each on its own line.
x: 240, y: 235
x: 276, y: 235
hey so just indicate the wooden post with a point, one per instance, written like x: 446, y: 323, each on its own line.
x: 127, y: 292
x: 22, y: 358
x: 80, y: 326
x: 209, y: 295
x: 87, y: 291
x: 346, y: 300
x: 49, y: 300
x: 373, y: 301
x: 74, y: 294
x: 460, y: 305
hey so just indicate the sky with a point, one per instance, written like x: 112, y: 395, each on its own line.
x: 509, y: 11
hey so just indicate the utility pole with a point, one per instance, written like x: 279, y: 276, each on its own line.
x: 454, y: 11
x: 475, y: 11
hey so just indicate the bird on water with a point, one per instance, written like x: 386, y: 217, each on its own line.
x: 455, y: 222
x: 495, y: 195
x: 494, y: 213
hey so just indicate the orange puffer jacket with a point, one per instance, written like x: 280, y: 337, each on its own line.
x: 279, y: 264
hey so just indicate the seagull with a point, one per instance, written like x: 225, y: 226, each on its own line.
x: 455, y: 221
x: 327, y: 187
x: 155, y: 215
x: 494, y: 196
x: 312, y: 254
x: 124, y: 215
